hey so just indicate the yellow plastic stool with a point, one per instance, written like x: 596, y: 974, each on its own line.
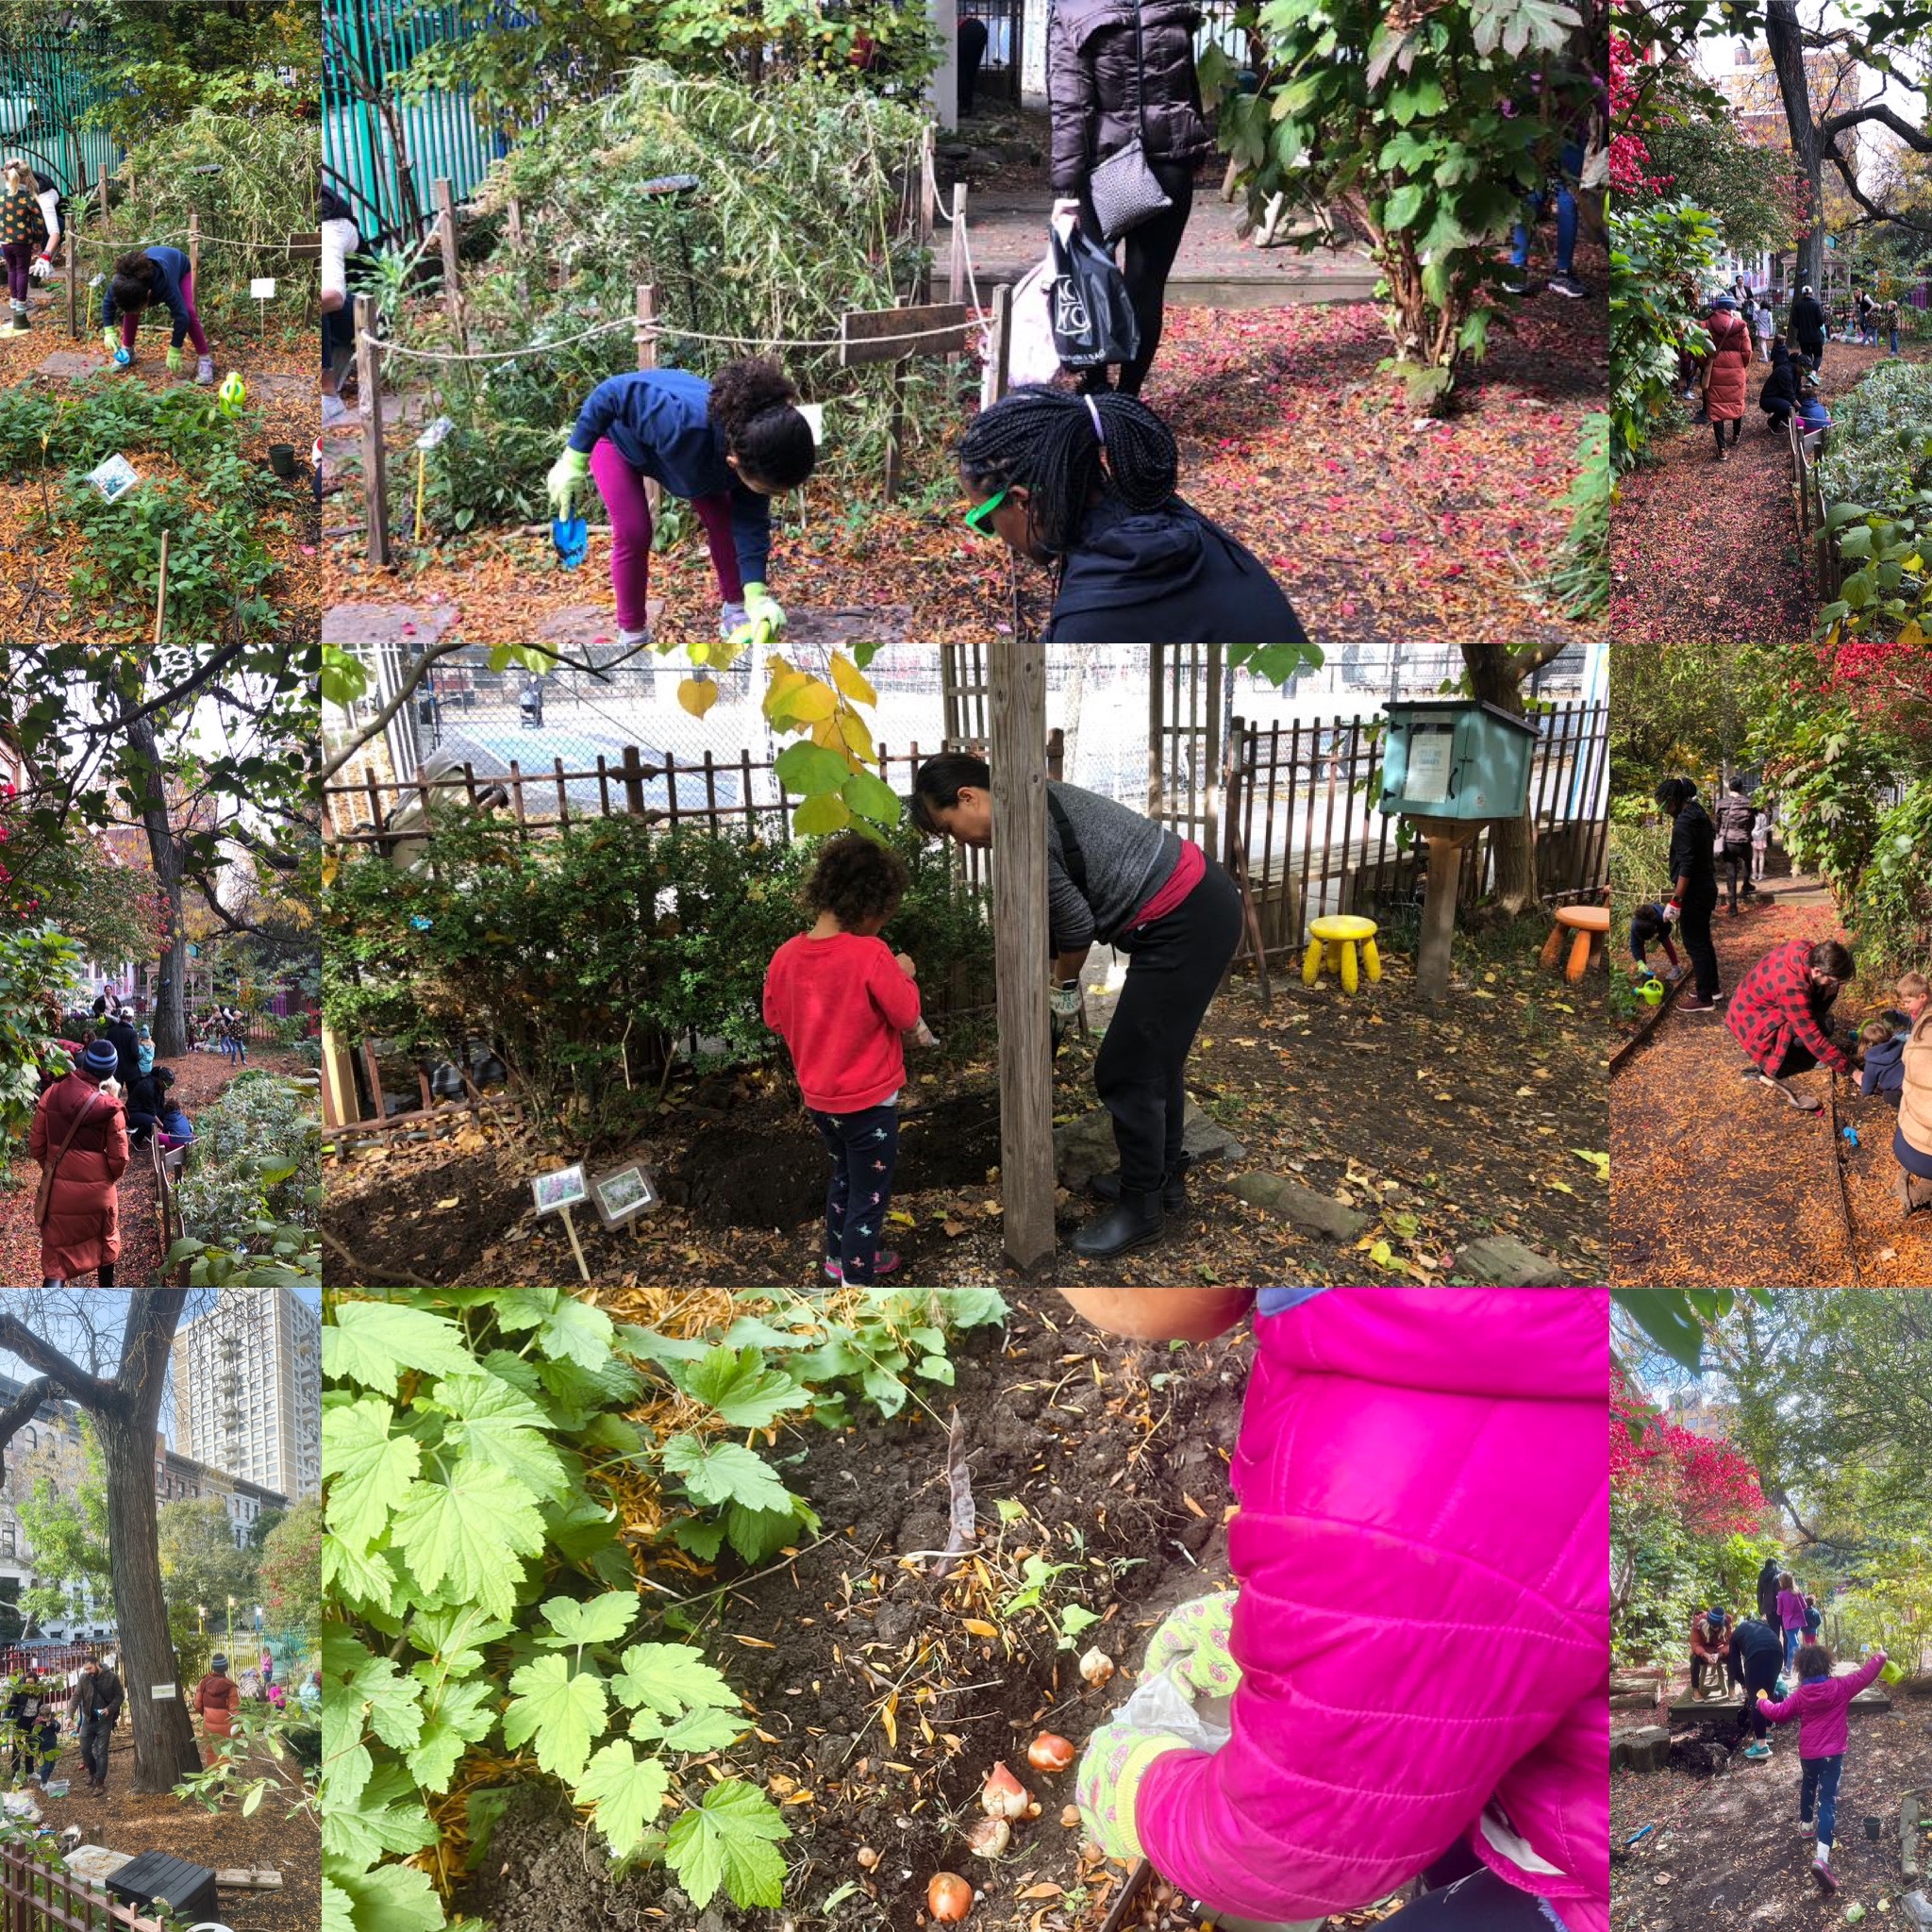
x: 1337, y: 939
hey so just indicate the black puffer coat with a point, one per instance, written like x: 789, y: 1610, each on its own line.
x: 1092, y: 88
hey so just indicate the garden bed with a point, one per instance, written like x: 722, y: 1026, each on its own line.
x: 1114, y: 1453
x: 1437, y: 1126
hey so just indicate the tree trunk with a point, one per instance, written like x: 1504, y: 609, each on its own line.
x: 1785, y: 41
x: 170, y: 1015
x: 1495, y: 675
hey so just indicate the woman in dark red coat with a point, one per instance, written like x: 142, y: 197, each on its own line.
x: 1726, y: 373
x: 82, y: 1230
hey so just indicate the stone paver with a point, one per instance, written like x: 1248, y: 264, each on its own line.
x: 1315, y: 1213
x: 1502, y: 1262
x: 1085, y: 1147
x: 387, y: 624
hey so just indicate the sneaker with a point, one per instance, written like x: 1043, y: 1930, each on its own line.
x: 1567, y: 285
x: 334, y: 411
x: 1756, y: 1752
x: 1696, y: 1002
x: 887, y: 1262
x: 631, y: 640
x: 730, y: 616
x: 205, y: 371
x: 1821, y: 1871
x: 1517, y: 283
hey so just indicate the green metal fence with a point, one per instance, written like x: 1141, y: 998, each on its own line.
x: 383, y: 153
x: 47, y: 85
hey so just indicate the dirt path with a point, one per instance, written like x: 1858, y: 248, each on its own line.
x: 1701, y: 550
x: 1714, y: 1181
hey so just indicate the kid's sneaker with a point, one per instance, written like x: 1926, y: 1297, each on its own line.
x: 887, y: 1263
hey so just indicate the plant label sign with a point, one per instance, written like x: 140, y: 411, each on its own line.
x: 623, y: 1195
x: 162, y: 1693
x: 564, y: 1189
x: 114, y: 478
x: 262, y: 287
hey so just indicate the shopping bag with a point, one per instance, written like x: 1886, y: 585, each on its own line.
x: 1092, y: 320
x: 1031, y: 355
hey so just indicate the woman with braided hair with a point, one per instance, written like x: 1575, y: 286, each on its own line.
x: 728, y: 445
x: 1086, y: 483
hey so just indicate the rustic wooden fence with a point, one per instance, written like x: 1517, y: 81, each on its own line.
x: 1299, y: 822
x: 36, y: 1898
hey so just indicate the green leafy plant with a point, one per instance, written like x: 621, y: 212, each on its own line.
x: 1581, y: 582
x: 476, y: 1583
x: 1662, y: 256
x: 40, y: 967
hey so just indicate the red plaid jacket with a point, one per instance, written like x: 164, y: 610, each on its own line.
x: 1774, y: 1006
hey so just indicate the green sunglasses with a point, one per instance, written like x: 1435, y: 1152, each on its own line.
x: 980, y: 514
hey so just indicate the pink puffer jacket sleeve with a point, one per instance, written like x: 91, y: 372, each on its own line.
x: 1423, y: 1625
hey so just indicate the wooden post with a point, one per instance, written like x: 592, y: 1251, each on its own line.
x: 634, y: 781
x: 929, y: 209
x: 161, y: 590
x: 446, y: 241
x: 992, y: 385
x: 1021, y: 957
x: 338, y: 1104
x: 375, y: 457
x: 195, y: 243
x: 1447, y: 839
x: 895, y: 427
x: 957, y: 287
x: 647, y: 359
x: 75, y: 192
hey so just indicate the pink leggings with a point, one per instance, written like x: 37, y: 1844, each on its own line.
x: 623, y: 490
x: 20, y: 259
x: 129, y: 323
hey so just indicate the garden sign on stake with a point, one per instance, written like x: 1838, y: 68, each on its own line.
x: 557, y: 1193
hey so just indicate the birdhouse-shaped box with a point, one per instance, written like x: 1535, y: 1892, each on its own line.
x: 1455, y: 758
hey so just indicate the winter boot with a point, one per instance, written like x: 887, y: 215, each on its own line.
x: 1913, y: 1194
x: 22, y: 320
x: 1132, y: 1221
x: 1173, y: 1189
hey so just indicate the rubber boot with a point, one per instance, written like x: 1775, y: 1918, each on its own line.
x: 1173, y: 1189
x: 23, y: 319
x: 1132, y: 1221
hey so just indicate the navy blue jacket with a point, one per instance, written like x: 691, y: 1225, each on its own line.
x: 656, y: 420
x: 1885, y: 1067
x: 1166, y: 576
x: 171, y: 267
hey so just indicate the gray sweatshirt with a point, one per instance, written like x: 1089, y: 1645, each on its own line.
x: 1129, y: 859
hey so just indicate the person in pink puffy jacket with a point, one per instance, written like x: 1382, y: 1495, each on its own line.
x: 1819, y: 1703
x: 1418, y: 1650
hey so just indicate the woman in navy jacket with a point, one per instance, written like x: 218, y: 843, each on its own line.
x: 140, y: 280
x: 728, y: 445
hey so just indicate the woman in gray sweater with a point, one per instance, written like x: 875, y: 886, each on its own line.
x: 1116, y: 878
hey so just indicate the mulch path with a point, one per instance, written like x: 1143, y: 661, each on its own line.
x: 1703, y: 550
x: 1714, y: 1180
x: 1439, y: 1126
x: 124, y: 1821
x: 199, y: 1078
x: 1382, y: 524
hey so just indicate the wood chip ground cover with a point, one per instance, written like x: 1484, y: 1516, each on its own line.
x: 1382, y: 524
x: 881, y: 1695
x: 1373, y: 1100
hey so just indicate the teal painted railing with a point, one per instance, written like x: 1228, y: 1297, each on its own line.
x: 47, y: 85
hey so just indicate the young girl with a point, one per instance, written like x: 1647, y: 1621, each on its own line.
x: 1649, y: 928
x: 1819, y: 1703
x: 728, y: 446
x: 1419, y: 1633
x: 1790, y: 1613
x: 29, y: 229
x: 1087, y: 484
x: 144, y: 1055
x: 141, y: 279
x: 840, y: 998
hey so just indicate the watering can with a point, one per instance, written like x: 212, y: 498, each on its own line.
x: 233, y: 393
x: 1651, y: 990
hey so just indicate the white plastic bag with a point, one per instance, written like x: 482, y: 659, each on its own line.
x: 1030, y: 353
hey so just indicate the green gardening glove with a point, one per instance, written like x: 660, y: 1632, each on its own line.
x: 764, y: 617
x: 567, y: 478
x: 174, y: 356
x: 1108, y: 1783
x: 1191, y: 1646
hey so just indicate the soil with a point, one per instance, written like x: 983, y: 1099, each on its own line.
x: 1118, y: 1453
x: 1715, y: 1179
x: 1696, y: 542
x: 1726, y: 1849
x: 1439, y: 1125
x: 124, y: 1821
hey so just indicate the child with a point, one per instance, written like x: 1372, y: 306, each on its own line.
x: 173, y: 1126
x: 144, y: 1054
x: 841, y: 998
x: 728, y: 445
x: 1790, y: 1613
x: 141, y: 279
x: 1814, y: 1620
x: 1648, y: 927
x: 29, y: 231
x: 1421, y: 1479
x: 1819, y: 1703
x: 1913, y: 993
x: 1882, y: 1038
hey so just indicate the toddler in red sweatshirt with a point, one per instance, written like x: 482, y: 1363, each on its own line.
x: 841, y: 997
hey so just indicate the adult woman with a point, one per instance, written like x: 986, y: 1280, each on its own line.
x: 1693, y: 889
x: 1116, y: 878
x: 79, y: 1140
x: 1726, y: 373
x: 1911, y: 1139
x: 1120, y: 71
x: 727, y: 446
x: 340, y: 240
x: 141, y: 279
x: 1088, y: 484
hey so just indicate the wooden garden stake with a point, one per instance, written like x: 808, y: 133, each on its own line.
x: 375, y: 457
x: 647, y: 359
x: 446, y: 240
x: 570, y: 1227
x: 75, y: 191
x: 161, y: 590
x: 956, y: 288
x: 992, y: 384
x: 193, y: 242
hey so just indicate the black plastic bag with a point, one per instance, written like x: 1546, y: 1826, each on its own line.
x: 1092, y: 321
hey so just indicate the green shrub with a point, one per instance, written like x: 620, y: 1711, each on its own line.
x: 1581, y: 582
x: 256, y: 1157
x: 39, y: 967
x: 1662, y: 258
x: 1891, y: 908
x: 1880, y: 448
x: 1639, y: 862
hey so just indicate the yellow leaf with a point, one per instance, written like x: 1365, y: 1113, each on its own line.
x: 1192, y: 1504
x: 784, y: 682
x: 755, y: 1643
x: 901, y: 1216
x: 1381, y: 1254
x: 889, y: 1717
x: 1043, y: 1890
x: 699, y: 653
x: 799, y: 1798
x: 697, y: 695
x: 979, y: 1626
x: 851, y: 680
x: 826, y: 733
x: 857, y: 736
x: 812, y: 701
x: 330, y: 866
x: 454, y: 1201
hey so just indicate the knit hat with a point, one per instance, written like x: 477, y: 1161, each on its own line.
x: 100, y: 1059
x: 1722, y: 302
x: 218, y: 1663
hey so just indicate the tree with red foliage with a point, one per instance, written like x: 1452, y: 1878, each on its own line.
x: 1709, y: 1487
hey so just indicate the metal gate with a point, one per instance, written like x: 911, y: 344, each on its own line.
x: 1005, y: 22
x: 47, y: 85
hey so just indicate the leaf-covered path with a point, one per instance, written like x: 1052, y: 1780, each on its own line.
x: 1701, y: 550
x: 1715, y: 1181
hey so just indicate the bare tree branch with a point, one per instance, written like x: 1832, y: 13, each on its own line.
x: 23, y: 1409
x: 90, y: 1391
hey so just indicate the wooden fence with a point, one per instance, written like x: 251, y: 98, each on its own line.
x: 1298, y: 820
x: 36, y: 1898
